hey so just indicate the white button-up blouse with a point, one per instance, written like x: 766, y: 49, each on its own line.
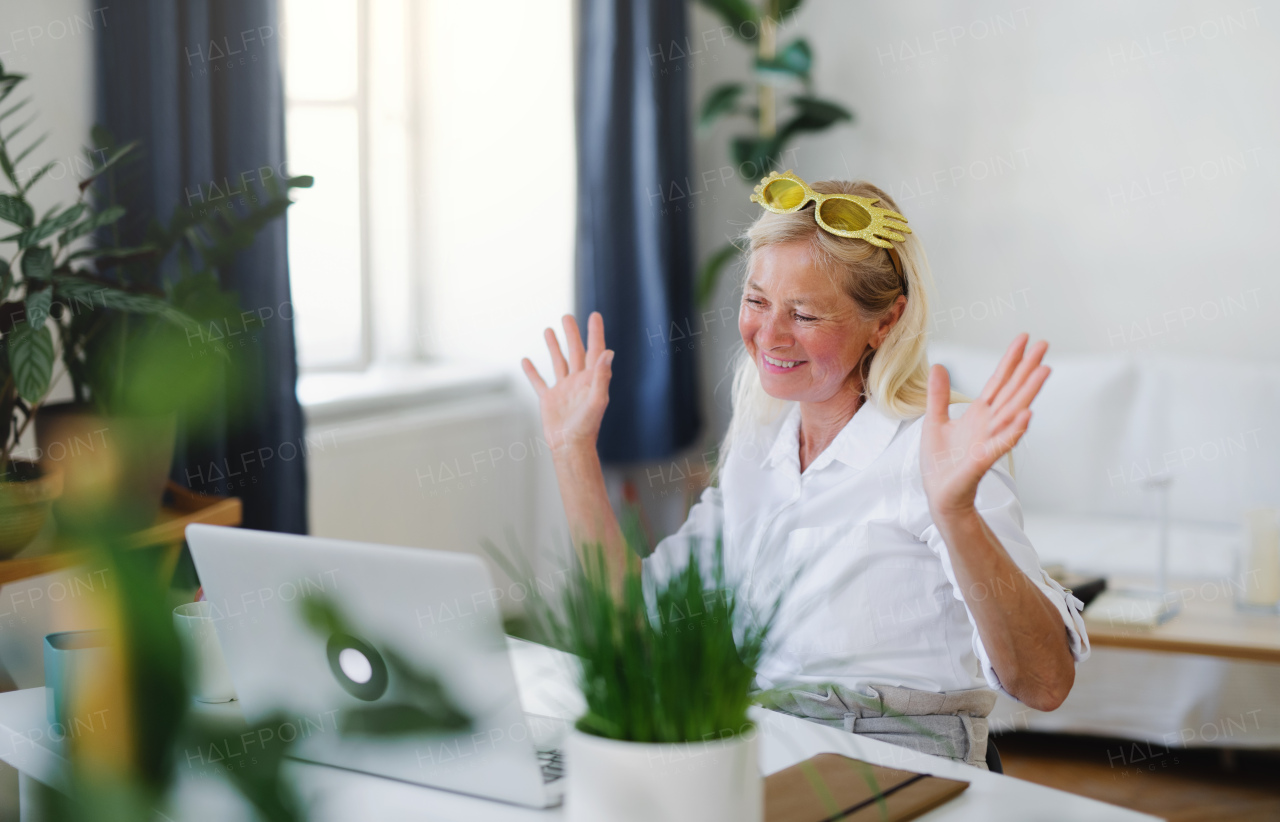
x: 868, y: 592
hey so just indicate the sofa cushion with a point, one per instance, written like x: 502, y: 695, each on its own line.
x: 1218, y: 437
x: 1128, y: 546
x: 1105, y: 424
x: 1084, y: 430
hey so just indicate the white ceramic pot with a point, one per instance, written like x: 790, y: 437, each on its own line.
x: 715, y: 781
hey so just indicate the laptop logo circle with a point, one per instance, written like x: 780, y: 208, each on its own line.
x: 357, y: 667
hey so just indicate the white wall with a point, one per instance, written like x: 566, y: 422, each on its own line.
x: 497, y: 176
x: 498, y: 187
x: 445, y: 475
x: 1101, y: 175
x: 52, y: 43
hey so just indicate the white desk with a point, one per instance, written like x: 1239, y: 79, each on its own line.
x: 335, y: 795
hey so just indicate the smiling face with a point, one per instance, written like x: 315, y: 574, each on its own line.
x: 803, y: 333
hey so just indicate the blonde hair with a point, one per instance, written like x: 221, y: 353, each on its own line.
x: 897, y: 373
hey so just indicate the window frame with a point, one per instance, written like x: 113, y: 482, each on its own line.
x: 370, y: 353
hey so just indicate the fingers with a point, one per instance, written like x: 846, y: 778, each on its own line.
x: 1007, y: 364
x: 938, y: 402
x: 535, y: 379
x: 1030, y: 361
x: 1021, y: 400
x: 1006, y: 438
x: 600, y: 377
x: 557, y: 358
x: 986, y: 452
x: 595, y: 338
x: 573, y: 343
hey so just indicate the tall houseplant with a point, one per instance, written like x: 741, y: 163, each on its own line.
x: 122, y: 316
x: 775, y: 121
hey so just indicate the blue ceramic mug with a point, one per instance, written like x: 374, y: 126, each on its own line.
x: 72, y: 659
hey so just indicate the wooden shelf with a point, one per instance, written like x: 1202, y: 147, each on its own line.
x: 1208, y: 624
x: 187, y: 507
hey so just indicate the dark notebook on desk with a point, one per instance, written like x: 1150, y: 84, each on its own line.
x: 831, y: 787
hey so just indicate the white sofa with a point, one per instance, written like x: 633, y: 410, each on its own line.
x: 1101, y: 425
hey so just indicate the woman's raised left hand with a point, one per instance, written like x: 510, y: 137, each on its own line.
x: 955, y: 454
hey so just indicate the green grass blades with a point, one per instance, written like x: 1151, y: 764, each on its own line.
x: 666, y: 661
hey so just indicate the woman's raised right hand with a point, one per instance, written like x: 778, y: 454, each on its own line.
x: 573, y: 408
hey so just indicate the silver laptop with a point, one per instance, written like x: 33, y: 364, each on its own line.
x: 435, y: 610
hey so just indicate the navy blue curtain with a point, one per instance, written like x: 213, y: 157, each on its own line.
x: 198, y: 82
x: 634, y: 254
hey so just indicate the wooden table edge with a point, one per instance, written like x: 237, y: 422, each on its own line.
x: 1146, y: 642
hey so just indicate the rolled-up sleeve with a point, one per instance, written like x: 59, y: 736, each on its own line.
x: 997, y: 503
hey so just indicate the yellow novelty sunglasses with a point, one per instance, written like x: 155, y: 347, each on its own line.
x: 845, y: 215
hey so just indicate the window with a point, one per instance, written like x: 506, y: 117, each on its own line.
x: 393, y: 105
x: 347, y: 121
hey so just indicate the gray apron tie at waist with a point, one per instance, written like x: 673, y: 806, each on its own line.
x: 951, y: 724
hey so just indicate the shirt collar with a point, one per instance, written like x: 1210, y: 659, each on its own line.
x: 857, y: 445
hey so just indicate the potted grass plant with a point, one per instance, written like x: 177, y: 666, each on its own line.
x: 120, y: 319
x: 666, y: 668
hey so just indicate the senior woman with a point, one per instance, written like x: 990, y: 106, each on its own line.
x: 854, y: 481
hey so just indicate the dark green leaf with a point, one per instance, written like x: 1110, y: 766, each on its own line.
x: 709, y: 274
x: 794, y: 61
x: 426, y: 692
x: 37, y: 305
x: 35, y: 178
x: 16, y: 211
x: 6, y: 279
x: 79, y: 292
x: 69, y: 216
x: 101, y: 138
x: 756, y: 156
x: 145, y: 304
x: 105, y: 217
x: 300, y: 181
x: 814, y: 115
x: 102, y: 293
x: 741, y: 15
x: 720, y: 101
x: 115, y: 157
x: 201, y: 296
x: 108, y: 257
x: 15, y: 108
x: 786, y: 7
x: 23, y: 154
x: 8, y: 82
x: 6, y: 165
x: 430, y: 706
x: 31, y: 360
x: 37, y: 263
x: 48, y: 227
x: 323, y: 617
x: 18, y: 129
x: 821, y: 109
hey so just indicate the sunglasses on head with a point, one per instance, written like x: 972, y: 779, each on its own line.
x: 844, y: 215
